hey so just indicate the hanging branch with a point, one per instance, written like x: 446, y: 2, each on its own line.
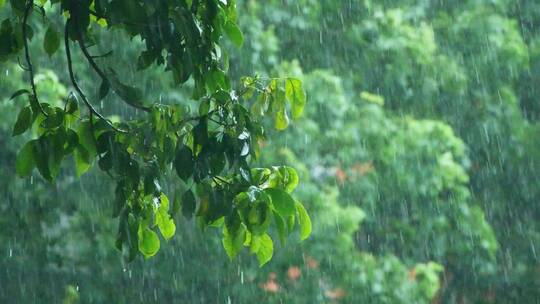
x: 99, y: 71
x: 30, y: 68
x: 90, y: 59
x: 76, y: 86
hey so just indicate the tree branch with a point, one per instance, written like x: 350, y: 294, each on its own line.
x: 76, y: 86
x: 30, y: 68
x: 98, y: 70
x: 91, y: 60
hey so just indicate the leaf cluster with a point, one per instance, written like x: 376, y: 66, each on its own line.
x: 210, y: 151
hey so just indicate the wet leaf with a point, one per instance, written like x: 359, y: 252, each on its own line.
x: 148, y: 242
x: 24, y: 121
x: 296, y: 96
x: 233, y: 241
x: 303, y: 221
x: 234, y: 33
x: 282, y: 201
x: 51, y: 42
x: 189, y: 204
x: 184, y: 162
x: 265, y: 250
x: 25, y: 160
x: 163, y: 219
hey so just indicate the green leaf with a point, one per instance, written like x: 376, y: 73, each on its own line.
x: 282, y: 201
x: 233, y: 32
x: 304, y: 221
x: 86, y: 139
x: 163, y: 219
x: 82, y: 160
x: 260, y: 106
x: 281, y: 227
x: 48, y: 154
x: 167, y: 227
x: 72, y: 105
x: 148, y: 241
x: 296, y: 96
x: 233, y: 241
x: 24, y: 121
x: 290, y: 221
x: 104, y: 89
x: 204, y: 107
x: 51, y: 42
x: 260, y: 175
x: 17, y: 5
x: 35, y: 105
x: 56, y: 152
x: 266, y: 249
x: 131, y: 231
x: 184, y: 163
x: 120, y: 200
x: 71, y: 141
x: 41, y: 160
x: 25, y: 160
x: 217, y: 79
x: 177, y: 205
x: 281, y: 119
x: 54, y: 120
x: 188, y: 204
x: 254, y: 243
x: 290, y: 178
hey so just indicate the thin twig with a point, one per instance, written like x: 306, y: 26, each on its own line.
x: 76, y: 86
x: 30, y: 68
x: 90, y: 59
x: 102, y: 55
